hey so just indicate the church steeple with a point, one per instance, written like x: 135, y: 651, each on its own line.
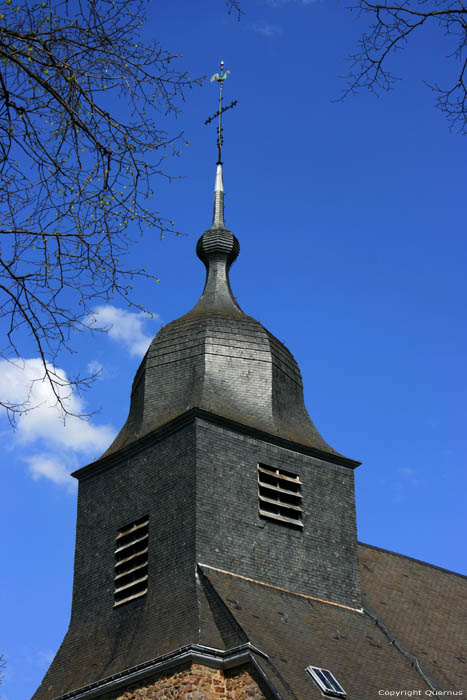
x: 215, y: 358
x: 216, y: 548
x: 217, y: 470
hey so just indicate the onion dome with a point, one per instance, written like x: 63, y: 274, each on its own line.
x: 218, y: 359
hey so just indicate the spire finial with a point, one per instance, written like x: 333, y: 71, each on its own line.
x: 218, y: 216
x: 220, y: 77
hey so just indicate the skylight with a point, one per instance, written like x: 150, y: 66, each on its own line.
x: 326, y: 682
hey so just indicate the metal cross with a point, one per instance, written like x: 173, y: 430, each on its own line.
x: 220, y: 77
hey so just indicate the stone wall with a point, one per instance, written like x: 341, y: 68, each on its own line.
x: 198, y: 683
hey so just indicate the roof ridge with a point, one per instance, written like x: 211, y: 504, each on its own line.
x: 419, y: 561
x: 280, y: 588
x: 398, y: 644
x: 229, y: 628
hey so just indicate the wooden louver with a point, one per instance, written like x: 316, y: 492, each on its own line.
x: 131, y: 561
x: 279, y: 494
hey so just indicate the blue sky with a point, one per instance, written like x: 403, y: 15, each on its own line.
x: 351, y: 220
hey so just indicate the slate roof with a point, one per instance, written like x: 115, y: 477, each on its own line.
x: 425, y: 608
x: 218, y: 359
x: 409, y: 636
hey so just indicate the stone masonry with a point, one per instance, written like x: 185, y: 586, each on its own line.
x: 198, y: 683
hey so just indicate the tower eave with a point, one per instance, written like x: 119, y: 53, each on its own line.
x: 172, y: 426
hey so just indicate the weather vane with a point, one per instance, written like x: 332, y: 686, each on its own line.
x: 220, y: 77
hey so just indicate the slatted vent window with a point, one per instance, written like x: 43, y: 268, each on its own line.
x: 326, y: 682
x: 280, y: 495
x: 131, y: 561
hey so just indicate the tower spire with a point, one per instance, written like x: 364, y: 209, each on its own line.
x: 218, y: 214
x: 218, y: 247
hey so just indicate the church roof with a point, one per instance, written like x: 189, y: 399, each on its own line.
x: 218, y: 359
x: 405, y: 636
x: 423, y: 606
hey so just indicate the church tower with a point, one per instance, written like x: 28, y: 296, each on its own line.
x: 216, y: 550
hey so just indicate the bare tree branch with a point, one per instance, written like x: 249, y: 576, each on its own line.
x: 234, y: 6
x: 2, y: 667
x: 392, y: 25
x: 81, y: 101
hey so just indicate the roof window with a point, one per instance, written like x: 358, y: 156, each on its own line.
x: 131, y: 561
x: 326, y: 682
x: 280, y: 495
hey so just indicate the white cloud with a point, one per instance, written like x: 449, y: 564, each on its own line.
x: 50, y: 467
x: 270, y: 31
x: 43, y: 423
x: 123, y: 326
x: 23, y: 382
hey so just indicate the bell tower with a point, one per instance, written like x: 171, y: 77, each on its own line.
x: 218, y: 472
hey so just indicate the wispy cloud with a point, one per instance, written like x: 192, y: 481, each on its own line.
x: 409, y: 475
x: 58, y: 437
x: 52, y: 467
x: 270, y: 31
x: 95, y: 368
x: 403, y: 485
x: 44, y: 658
x: 125, y: 327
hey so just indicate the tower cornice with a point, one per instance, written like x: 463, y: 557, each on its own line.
x: 108, y: 461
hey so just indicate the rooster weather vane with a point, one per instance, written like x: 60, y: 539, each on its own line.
x: 220, y: 77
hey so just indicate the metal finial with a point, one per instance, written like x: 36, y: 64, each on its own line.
x: 220, y: 77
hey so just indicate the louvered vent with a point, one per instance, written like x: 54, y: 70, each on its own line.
x: 131, y: 561
x: 280, y: 495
